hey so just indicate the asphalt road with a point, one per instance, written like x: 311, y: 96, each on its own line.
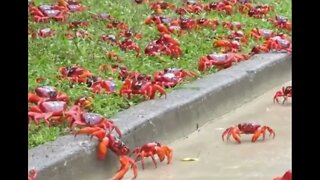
x: 217, y: 160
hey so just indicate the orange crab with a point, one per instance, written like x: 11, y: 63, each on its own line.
x: 125, y: 163
x: 247, y: 128
x: 151, y: 149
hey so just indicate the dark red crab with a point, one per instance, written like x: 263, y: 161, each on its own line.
x: 158, y: 6
x: 279, y: 43
x: 228, y: 45
x: 247, y: 128
x: 207, y: 23
x: 111, y: 39
x: 260, y: 11
x: 166, y: 44
x: 48, y: 110
x: 44, y: 33
x: 77, y: 117
x: 151, y: 149
x: 141, y: 85
x: 170, y: 77
x: 285, y: 93
x: 47, y: 93
x: 281, y: 22
x: 261, y: 33
x: 129, y: 44
x: 232, y: 25
x: 221, y: 61
x: 78, y: 24
x: 75, y: 73
x: 44, y: 13
x: 72, y: 5
x: 106, y: 141
x: 219, y: 6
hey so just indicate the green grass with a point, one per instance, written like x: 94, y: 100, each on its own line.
x: 47, y: 55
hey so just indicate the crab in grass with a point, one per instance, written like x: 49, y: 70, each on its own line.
x: 129, y: 44
x: 221, y: 61
x: 77, y: 117
x: 44, y: 13
x: 106, y: 85
x: 232, y: 25
x: 228, y: 45
x: 75, y: 73
x: 207, y: 23
x: 151, y: 149
x: 125, y: 163
x: 166, y: 44
x: 158, y: 6
x: 237, y: 36
x: 261, y: 33
x: 130, y: 34
x: 219, y: 6
x: 141, y: 85
x: 32, y: 174
x: 47, y: 93
x: 281, y: 22
x: 114, y: 24
x: 72, y: 5
x: 190, y: 6
x: 77, y: 24
x: 111, y: 39
x: 84, y: 102
x: 121, y: 70
x: 170, y: 77
x: 44, y: 33
x: 102, y: 16
x: 279, y: 43
x: 285, y: 93
x: 247, y: 128
x: 286, y: 176
x: 78, y: 34
x: 260, y: 11
x: 48, y: 110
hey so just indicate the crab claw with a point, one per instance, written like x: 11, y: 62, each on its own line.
x: 165, y: 151
x: 286, y: 176
x: 125, y: 163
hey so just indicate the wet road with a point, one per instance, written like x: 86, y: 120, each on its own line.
x: 262, y: 160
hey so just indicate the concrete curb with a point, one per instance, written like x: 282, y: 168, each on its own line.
x: 164, y: 120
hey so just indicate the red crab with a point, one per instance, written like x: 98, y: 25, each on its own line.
x: 84, y: 102
x: 47, y: 93
x: 48, y: 110
x: 238, y: 36
x: 125, y: 163
x: 170, y: 77
x: 190, y: 6
x: 158, y: 6
x: 122, y: 71
x: 113, y: 56
x: 207, y: 23
x: 106, y: 141
x: 164, y: 45
x: 109, y: 39
x: 72, y: 5
x: 78, y: 34
x: 219, y: 6
x: 44, y: 13
x: 232, y: 25
x: 228, y: 45
x: 260, y: 11
x: 32, y: 174
x: 129, y: 34
x: 114, y: 24
x: 128, y: 44
x: 220, y: 61
x: 44, y: 33
x: 279, y: 43
x: 141, y: 85
x: 261, y: 33
x: 281, y: 22
x: 287, y: 176
x: 102, y: 16
x: 286, y: 92
x: 151, y: 149
x: 187, y: 23
x: 259, y: 49
x: 108, y: 85
x: 247, y: 128
x: 77, y: 24
x: 77, y: 117
x: 75, y: 73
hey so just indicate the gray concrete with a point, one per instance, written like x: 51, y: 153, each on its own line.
x: 165, y: 120
x: 262, y: 160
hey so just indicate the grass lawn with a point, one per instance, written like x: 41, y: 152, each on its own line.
x: 46, y: 55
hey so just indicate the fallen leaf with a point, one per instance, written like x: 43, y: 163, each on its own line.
x: 190, y: 159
